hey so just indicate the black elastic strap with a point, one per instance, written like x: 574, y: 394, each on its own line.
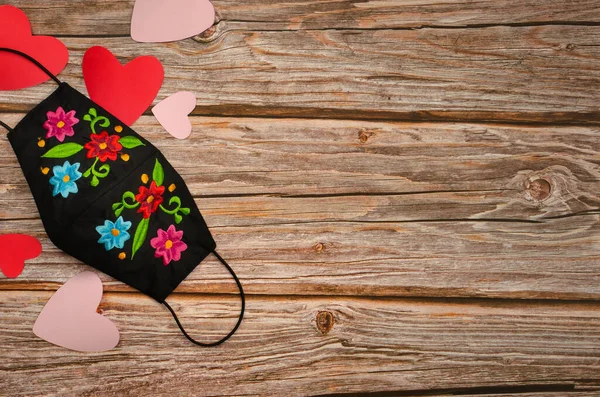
x: 3, y: 124
x: 242, y: 296
x: 39, y: 65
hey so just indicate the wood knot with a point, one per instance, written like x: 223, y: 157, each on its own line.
x: 324, y: 322
x: 539, y: 189
x: 211, y: 33
x: 207, y: 36
x: 319, y: 247
x: 364, y: 135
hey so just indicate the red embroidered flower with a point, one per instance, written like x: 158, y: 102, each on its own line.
x: 149, y: 199
x: 103, y: 146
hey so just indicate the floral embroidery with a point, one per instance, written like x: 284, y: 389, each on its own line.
x: 150, y: 200
x: 64, y: 179
x: 60, y: 124
x: 168, y: 244
x: 101, y: 147
x: 114, y: 234
x: 93, y: 118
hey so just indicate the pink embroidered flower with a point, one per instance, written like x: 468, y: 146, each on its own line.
x: 168, y: 244
x: 60, y: 124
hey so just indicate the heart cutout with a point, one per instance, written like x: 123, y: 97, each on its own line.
x: 172, y: 113
x: 126, y: 91
x: 69, y: 319
x: 159, y: 21
x: 17, y: 72
x: 15, y: 250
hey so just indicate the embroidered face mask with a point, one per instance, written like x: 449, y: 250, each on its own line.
x: 109, y: 198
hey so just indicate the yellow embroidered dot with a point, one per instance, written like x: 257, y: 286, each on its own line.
x: 145, y: 178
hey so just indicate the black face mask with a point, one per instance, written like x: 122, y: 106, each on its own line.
x: 109, y: 198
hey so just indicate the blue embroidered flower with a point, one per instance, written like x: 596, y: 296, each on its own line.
x: 114, y: 234
x: 64, y: 179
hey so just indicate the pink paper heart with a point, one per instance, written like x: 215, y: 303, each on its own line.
x: 69, y: 318
x: 159, y: 21
x: 172, y: 113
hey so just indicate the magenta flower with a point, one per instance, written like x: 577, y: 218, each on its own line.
x: 168, y: 244
x: 60, y: 124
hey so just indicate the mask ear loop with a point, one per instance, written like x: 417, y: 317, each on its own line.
x: 39, y: 65
x: 3, y: 124
x: 242, y: 310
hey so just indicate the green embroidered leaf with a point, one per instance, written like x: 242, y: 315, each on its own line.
x: 63, y: 150
x: 158, y: 174
x: 118, y: 208
x: 87, y: 117
x: 140, y: 235
x: 178, y: 218
x: 92, y: 111
x: 184, y: 211
x: 94, y: 182
x: 130, y: 142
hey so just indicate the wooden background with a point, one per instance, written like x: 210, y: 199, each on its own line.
x: 409, y: 191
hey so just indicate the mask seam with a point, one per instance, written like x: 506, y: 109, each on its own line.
x: 110, y: 188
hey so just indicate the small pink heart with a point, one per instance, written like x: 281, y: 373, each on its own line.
x: 69, y: 318
x: 172, y: 113
x: 159, y: 21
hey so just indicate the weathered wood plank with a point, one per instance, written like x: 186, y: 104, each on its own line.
x: 558, y: 259
x: 345, y: 207
x: 549, y: 391
x: 112, y: 17
x: 504, y: 167
x: 374, y: 345
x: 543, y: 74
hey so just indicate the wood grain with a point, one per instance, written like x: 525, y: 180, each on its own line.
x: 496, y: 164
x: 406, y: 345
x: 506, y: 260
x: 112, y: 17
x: 544, y: 74
x: 371, y: 208
x: 392, y: 236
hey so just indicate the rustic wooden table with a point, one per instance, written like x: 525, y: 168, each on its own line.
x: 409, y: 191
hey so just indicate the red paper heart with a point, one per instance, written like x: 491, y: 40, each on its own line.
x: 15, y: 249
x: 17, y: 72
x: 125, y: 91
